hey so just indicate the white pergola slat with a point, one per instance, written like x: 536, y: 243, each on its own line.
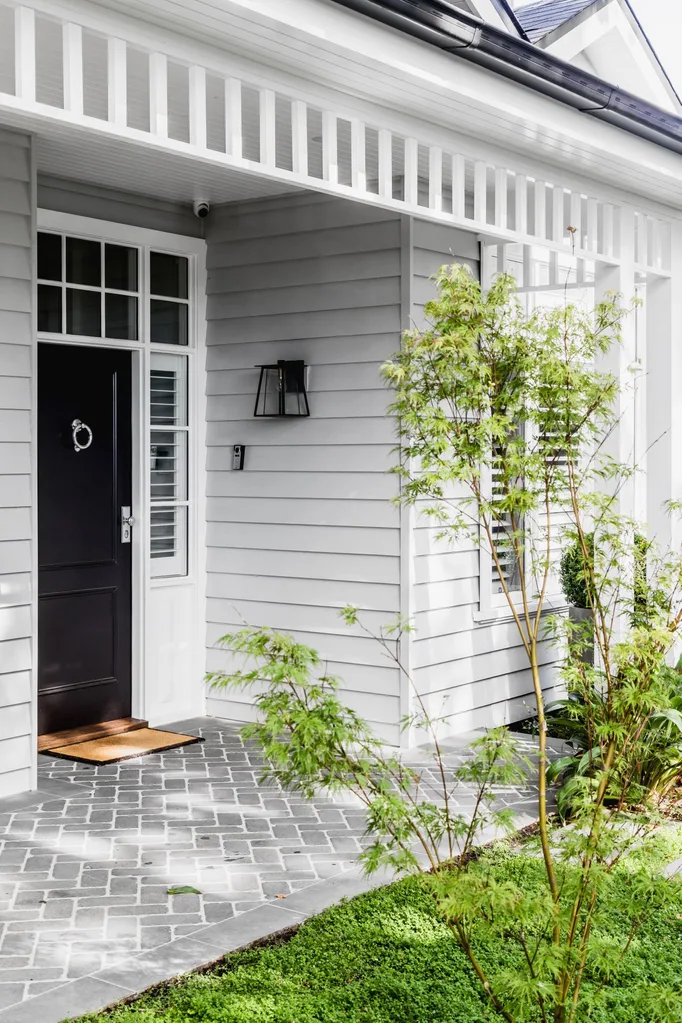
x: 353, y: 157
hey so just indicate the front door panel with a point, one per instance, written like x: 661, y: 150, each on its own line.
x: 84, y: 573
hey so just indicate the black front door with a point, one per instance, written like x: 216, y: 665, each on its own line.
x: 84, y: 570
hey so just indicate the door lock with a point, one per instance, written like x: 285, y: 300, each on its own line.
x: 126, y: 524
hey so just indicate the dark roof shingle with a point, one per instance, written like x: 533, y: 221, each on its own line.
x: 543, y: 16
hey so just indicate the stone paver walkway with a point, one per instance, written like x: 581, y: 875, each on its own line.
x: 86, y: 863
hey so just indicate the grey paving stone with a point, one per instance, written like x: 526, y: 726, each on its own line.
x: 160, y: 964
x: 248, y: 927
x: 86, y: 864
x: 66, y: 1001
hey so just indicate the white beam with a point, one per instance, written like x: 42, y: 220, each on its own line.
x: 385, y: 158
x: 411, y: 172
x: 158, y: 94
x: 72, y: 50
x: 118, y: 82
x: 330, y: 158
x: 197, y: 106
x: 435, y: 178
x: 233, y: 117
x: 299, y: 137
x: 268, y: 138
x: 25, y: 50
x: 358, y: 158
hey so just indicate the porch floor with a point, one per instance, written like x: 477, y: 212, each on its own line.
x: 86, y: 863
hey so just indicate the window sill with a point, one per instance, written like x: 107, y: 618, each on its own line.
x: 502, y: 615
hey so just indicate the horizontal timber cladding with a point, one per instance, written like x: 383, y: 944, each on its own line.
x: 471, y: 674
x: 307, y: 526
x: 16, y: 513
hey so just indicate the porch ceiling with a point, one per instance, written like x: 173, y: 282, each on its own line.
x: 66, y: 152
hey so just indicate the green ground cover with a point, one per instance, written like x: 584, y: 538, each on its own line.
x: 386, y: 957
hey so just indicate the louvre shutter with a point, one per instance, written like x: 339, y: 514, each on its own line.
x: 168, y: 465
x: 509, y: 571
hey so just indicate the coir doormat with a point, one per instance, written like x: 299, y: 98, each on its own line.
x: 110, y: 749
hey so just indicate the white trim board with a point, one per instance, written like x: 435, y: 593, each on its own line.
x: 149, y: 701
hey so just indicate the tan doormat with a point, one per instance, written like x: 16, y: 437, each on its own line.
x: 110, y: 749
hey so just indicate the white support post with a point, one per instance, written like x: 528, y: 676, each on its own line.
x: 620, y: 359
x: 607, y: 230
x: 481, y: 192
x: 621, y: 443
x: 158, y: 95
x: 577, y: 219
x: 411, y: 172
x: 25, y: 49
x: 358, y: 160
x: 435, y: 179
x: 559, y: 225
x: 521, y: 204
x: 458, y: 187
x: 299, y: 137
x: 385, y: 161
x: 72, y: 56
x: 197, y: 106
x: 330, y: 159
x: 540, y: 230
x: 592, y: 239
x: 268, y: 138
x: 663, y: 309
x: 651, y: 225
x: 528, y: 266
x: 233, y: 118
x: 118, y: 82
x: 501, y: 196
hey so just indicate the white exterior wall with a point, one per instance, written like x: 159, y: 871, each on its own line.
x: 17, y: 352
x: 471, y: 671
x: 307, y: 527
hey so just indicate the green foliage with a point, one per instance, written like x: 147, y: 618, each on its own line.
x: 490, y: 391
x: 314, y: 744
x: 574, y: 580
x: 649, y: 771
x: 388, y: 957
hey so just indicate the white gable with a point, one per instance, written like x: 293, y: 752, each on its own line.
x: 605, y: 38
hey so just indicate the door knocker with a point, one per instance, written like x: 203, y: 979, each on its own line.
x: 78, y: 427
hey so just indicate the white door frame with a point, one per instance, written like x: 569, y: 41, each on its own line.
x: 143, y: 704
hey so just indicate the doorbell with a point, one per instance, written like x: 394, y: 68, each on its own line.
x: 238, y: 456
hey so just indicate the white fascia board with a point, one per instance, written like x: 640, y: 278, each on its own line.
x: 334, y: 56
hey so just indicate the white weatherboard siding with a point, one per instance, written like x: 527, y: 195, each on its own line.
x: 16, y: 513
x: 472, y: 673
x: 307, y: 527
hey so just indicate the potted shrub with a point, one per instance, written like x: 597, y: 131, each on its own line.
x: 575, y: 585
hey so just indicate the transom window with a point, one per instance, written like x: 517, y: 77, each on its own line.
x: 89, y: 288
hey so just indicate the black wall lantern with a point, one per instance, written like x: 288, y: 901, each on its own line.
x: 281, y: 390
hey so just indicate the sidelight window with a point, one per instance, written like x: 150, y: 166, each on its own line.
x: 168, y: 440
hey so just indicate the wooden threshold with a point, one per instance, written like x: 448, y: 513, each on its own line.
x: 53, y: 740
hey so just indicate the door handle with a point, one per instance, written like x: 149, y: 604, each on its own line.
x: 126, y: 524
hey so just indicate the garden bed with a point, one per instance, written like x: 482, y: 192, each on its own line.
x: 386, y: 957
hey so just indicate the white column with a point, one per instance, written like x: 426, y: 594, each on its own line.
x: 664, y: 396
x: 620, y: 359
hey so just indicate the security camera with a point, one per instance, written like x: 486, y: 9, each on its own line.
x: 201, y: 208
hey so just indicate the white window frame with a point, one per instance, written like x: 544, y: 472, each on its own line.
x: 494, y: 607
x: 143, y: 583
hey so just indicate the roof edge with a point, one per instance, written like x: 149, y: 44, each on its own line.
x: 455, y: 32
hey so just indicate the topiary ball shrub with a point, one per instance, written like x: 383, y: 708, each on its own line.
x: 574, y: 581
